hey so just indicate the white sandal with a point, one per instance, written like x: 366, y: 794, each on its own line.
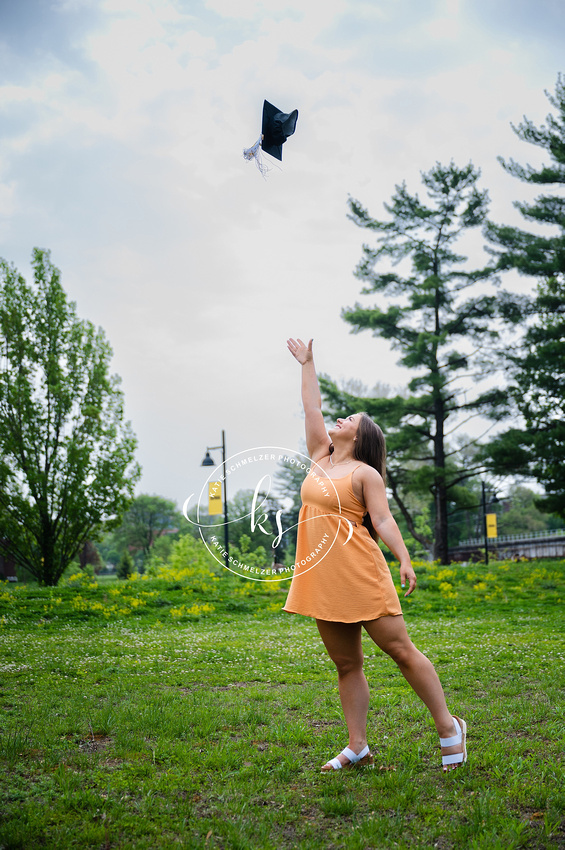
x: 363, y: 759
x: 459, y: 738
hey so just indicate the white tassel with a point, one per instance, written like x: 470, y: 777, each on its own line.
x: 255, y: 153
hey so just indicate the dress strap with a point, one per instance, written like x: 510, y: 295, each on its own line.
x: 351, y: 485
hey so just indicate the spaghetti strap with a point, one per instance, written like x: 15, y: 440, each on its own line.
x: 355, y: 468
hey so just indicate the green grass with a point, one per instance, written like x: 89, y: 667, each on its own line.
x: 124, y: 725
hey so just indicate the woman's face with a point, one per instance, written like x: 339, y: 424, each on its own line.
x: 346, y: 427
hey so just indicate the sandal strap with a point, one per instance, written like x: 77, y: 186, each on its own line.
x: 349, y: 754
x: 354, y: 757
x: 455, y: 758
x: 456, y: 739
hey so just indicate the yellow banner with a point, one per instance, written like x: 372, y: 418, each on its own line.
x: 215, y: 497
x: 491, y: 525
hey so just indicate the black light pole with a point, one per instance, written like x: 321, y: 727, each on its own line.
x: 208, y: 461
x: 485, y: 520
x: 492, y: 500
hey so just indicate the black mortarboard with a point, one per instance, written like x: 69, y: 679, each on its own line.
x: 276, y: 127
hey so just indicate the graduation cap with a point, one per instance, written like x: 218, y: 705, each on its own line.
x: 276, y: 127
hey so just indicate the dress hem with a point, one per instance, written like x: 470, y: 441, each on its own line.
x: 342, y: 620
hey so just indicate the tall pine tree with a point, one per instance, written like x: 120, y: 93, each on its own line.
x: 441, y: 321
x: 538, y: 366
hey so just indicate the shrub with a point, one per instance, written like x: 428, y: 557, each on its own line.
x: 125, y: 566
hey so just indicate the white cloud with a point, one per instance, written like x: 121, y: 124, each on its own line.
x: 267, y: 10
x: 128, y: 165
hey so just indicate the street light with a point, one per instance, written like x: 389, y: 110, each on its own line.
x: 209, y: 461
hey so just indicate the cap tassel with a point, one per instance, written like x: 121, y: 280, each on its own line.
x: 254, y: 152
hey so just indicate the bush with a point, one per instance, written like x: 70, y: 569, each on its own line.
x: 189, y: 563
x: 125, y: 566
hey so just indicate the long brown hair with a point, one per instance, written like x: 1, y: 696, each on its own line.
x: 370, y: 448
x: 370, y: 445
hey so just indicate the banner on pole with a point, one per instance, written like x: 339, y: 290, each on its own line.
x: 491, y: 526
x: 215, y: 497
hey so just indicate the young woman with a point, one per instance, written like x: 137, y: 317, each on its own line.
x: 341, y: 577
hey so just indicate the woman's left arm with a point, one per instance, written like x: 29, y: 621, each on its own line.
x: 376, y: 502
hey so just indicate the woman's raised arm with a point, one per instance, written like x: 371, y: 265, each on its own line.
x: 317, y: 440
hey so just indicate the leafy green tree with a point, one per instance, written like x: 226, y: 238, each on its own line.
x: 67, y: 468
x: 441, y: 322
x: 147, y: 518
x: 519, y: 512
x: 538, y: 365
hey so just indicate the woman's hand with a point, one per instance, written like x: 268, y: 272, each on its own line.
x: 407, y: 574
x: 300, y: 351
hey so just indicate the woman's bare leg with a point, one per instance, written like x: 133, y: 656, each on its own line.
x: 389, y: 633
x: 343, y: 643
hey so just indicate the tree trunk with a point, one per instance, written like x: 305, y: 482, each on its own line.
x: 441, y: 553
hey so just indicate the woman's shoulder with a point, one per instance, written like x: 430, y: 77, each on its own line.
x: 367, y: 474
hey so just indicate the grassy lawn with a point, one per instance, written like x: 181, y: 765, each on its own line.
x: 187, y: 711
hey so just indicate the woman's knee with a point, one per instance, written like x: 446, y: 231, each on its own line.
x: 347, y: 663
x: 390, y: 635
x: 400, y: 651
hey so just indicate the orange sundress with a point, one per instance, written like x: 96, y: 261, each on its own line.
x: 340, y: 573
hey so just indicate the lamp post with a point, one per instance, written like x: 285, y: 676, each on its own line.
x: 485, y: 520
x: 492, y: 500
x: 208, y: 461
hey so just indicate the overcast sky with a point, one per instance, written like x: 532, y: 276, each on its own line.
x: 122, y: 126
